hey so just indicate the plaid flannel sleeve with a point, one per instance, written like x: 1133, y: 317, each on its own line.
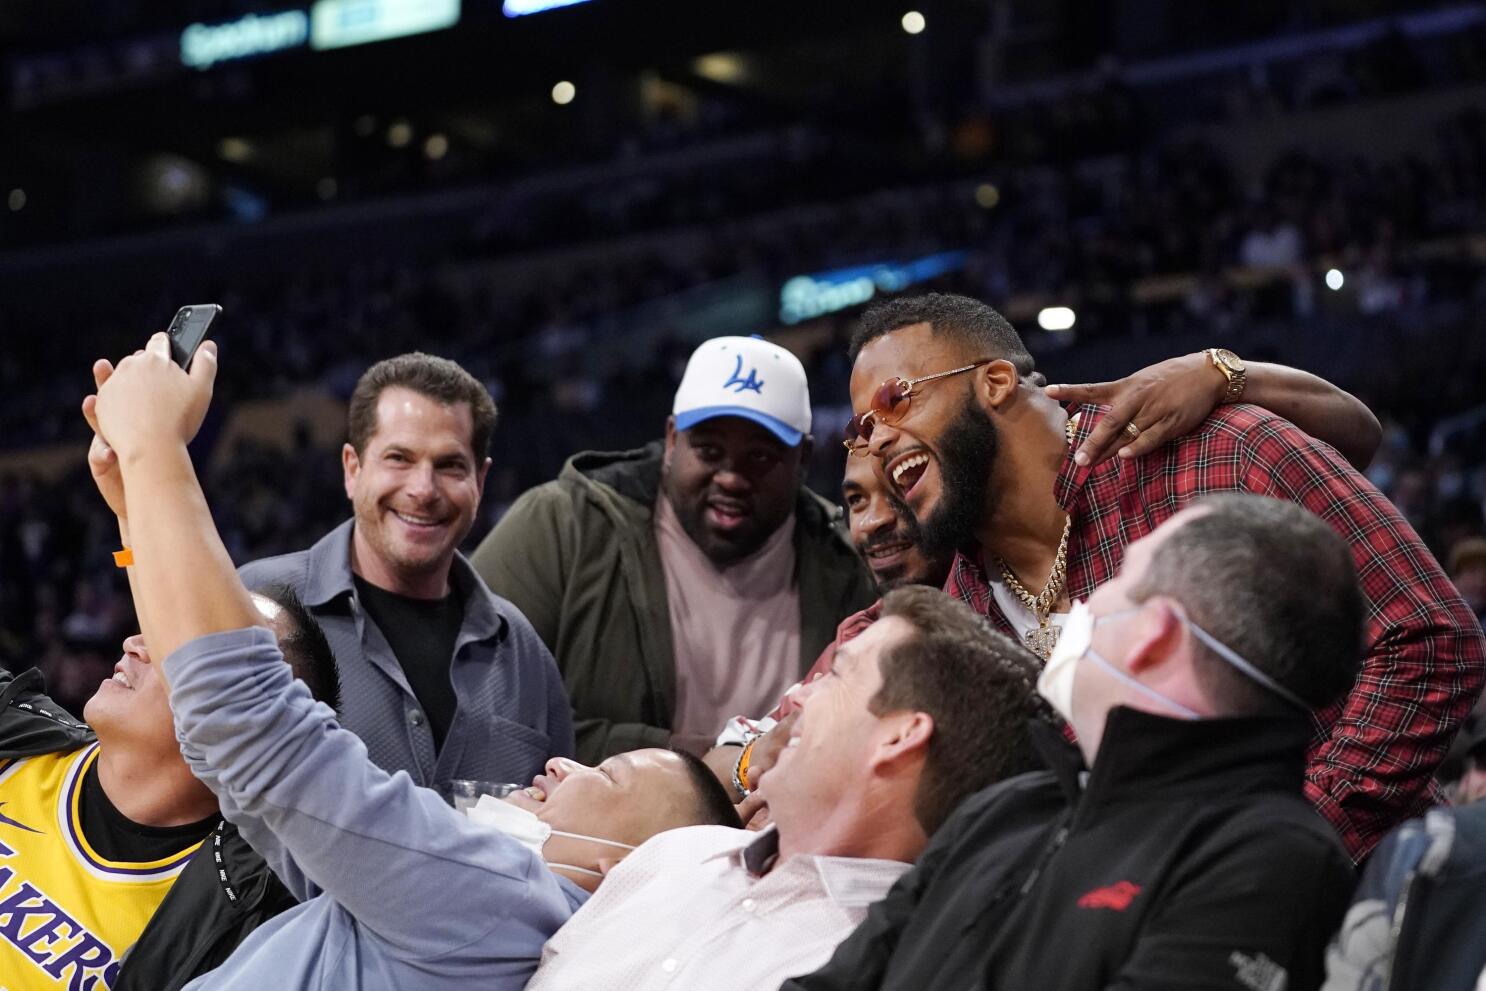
x: 1426, y: 658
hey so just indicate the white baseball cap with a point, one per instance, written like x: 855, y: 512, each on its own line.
x: 747, y: 377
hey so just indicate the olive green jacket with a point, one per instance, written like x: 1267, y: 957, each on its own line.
x: 579, y: 557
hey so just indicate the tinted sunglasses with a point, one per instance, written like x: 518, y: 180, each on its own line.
x: 890, y: 404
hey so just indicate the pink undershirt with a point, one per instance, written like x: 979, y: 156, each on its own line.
x: 736, y: 631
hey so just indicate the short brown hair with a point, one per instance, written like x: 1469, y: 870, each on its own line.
x: 428, y: 375
x: 979, y: 686
x: 1273, y: 583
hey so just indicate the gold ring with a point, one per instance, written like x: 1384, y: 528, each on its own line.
x: 1132, y: 430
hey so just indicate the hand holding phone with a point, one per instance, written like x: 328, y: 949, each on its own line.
x: 188, y: 329
x: 145, y: 402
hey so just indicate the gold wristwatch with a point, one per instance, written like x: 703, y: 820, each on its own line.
x: 1233, y: 369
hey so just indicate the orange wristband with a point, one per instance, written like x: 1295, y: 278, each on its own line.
x: 743, y: 762
x: 123, y: 558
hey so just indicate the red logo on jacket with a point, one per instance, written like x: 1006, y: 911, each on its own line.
x: 1116, y: 896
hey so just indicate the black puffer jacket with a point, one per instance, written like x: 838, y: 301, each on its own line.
x: 1188, y: 859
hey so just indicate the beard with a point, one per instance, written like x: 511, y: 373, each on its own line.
x: 967, y: 454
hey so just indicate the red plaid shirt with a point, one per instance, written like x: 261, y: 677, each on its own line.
x: 1372, y: 761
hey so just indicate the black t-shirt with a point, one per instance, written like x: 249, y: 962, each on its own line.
x: 115, y: 837
x: 421, y: 633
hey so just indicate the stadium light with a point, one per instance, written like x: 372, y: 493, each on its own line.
x: 987, y: 196
x: 1056, y: 318
x: 400, y: 134
x: 1335, y: 280
x: 520, y: 8
x: 563, y: 93
x: 720, y: 67
x: 436, y: 147
x: 234, y: 149
x: 914, y: 23
x: 17, y: 200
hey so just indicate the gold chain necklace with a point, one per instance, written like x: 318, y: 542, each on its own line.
x: 1042, y: 639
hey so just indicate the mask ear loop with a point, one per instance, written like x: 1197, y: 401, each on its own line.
x: 590, y: 839
x: 1142, y: 687
x: 1128, y: 678
x: 1244, y: 667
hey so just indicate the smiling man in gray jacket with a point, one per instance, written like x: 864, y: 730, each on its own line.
x: 439, y: 677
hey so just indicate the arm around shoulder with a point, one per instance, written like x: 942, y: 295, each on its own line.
x: 1321, y: 409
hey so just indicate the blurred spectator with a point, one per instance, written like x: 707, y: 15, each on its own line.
x: 1472, y: 784
x: 1271, y: 243
x: 1468, y: 571
x: 1415, y: 920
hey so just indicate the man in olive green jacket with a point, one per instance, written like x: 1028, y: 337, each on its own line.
x: 678, y: 583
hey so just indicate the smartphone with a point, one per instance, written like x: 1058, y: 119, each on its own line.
x: 188, y: 329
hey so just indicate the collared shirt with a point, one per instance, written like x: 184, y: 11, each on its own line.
x: 398, y: 890
x: 702, y: 907
x: 735, y: 630
x: 511, y: 714
x: 1375, y: 751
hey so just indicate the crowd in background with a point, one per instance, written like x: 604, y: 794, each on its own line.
x: 1090, y: 222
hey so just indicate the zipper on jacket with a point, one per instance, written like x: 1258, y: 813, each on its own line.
x: 1048, y: 852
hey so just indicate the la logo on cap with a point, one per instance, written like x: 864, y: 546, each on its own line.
x: 726, y: 377
x: 742, y: 385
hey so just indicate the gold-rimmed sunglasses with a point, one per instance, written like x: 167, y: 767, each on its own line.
x: 890, y: 404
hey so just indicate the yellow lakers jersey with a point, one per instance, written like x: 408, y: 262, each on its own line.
x: 66, y: 914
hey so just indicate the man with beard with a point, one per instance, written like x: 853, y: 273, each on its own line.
x: 439, y: 677
x: 1173, y: 397
x: 986, y: 462
x: 691, y: 579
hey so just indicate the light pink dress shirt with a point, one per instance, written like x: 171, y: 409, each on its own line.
x: 691, y: 910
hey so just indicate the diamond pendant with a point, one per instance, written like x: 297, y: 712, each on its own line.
x: 1042, y: 640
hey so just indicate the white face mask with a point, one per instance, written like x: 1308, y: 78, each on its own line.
x: 1055, y: 684
x: 525, y: 828
x: 1075, y: 641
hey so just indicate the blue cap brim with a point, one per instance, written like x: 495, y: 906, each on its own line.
x: 789, y: 435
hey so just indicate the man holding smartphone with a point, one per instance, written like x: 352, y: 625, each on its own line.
x: 440, y: 677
